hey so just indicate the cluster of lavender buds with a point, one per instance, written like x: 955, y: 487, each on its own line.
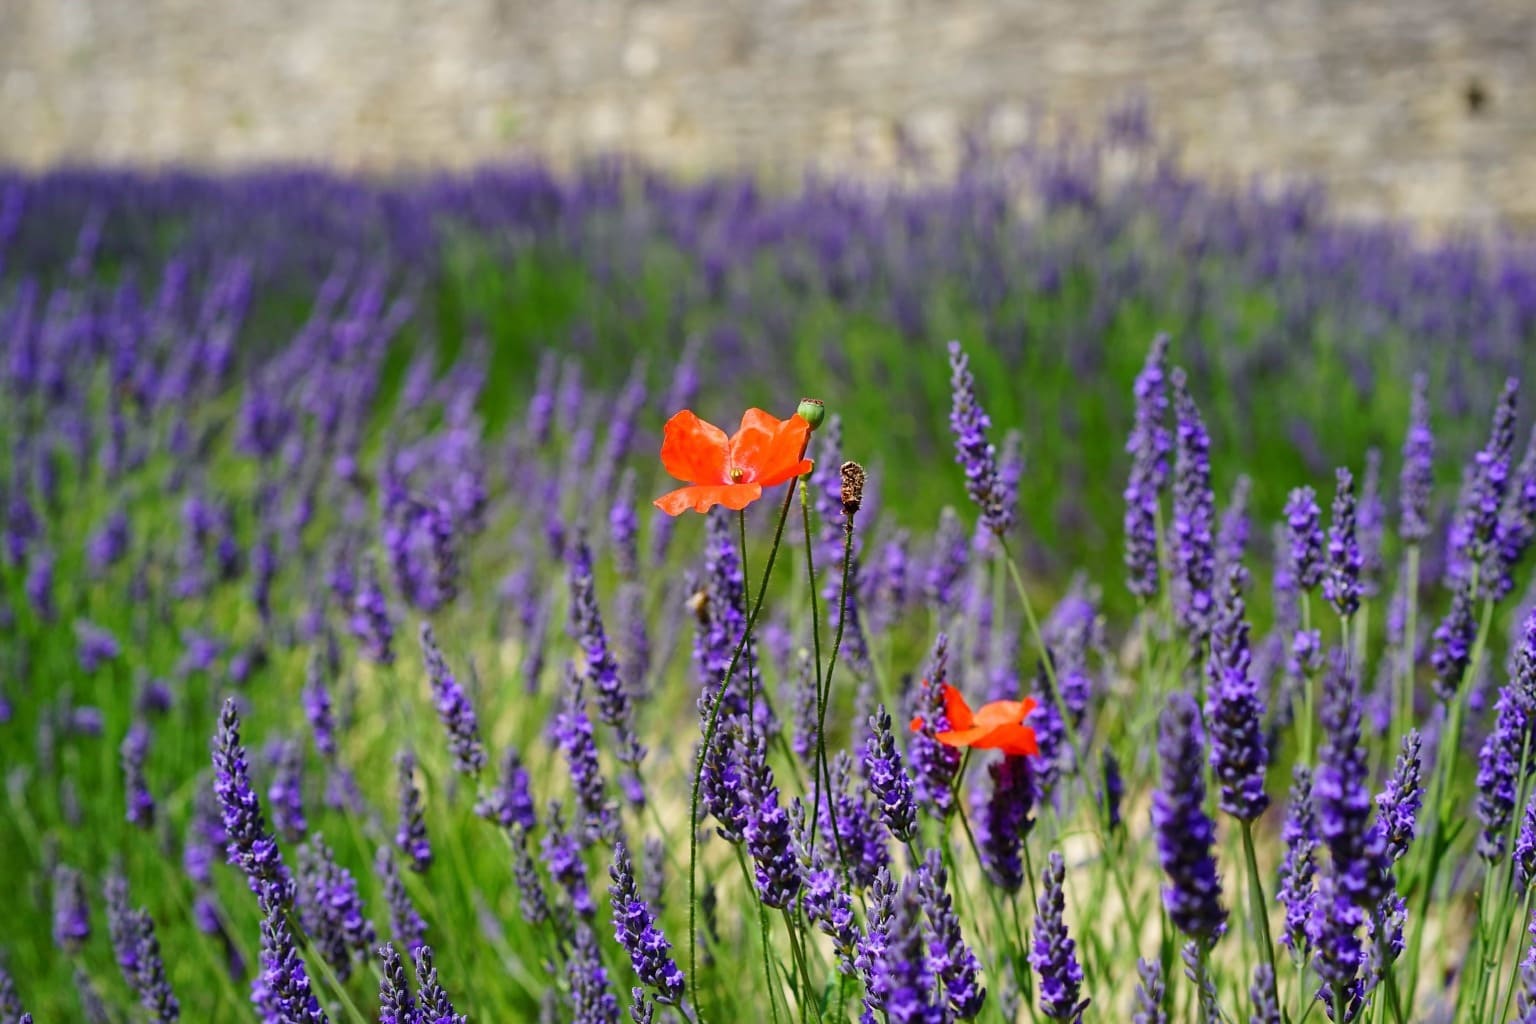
x: 969, y: 423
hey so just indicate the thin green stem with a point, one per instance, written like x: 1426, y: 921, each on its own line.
x: 710, y: 729
x: 762, y: 924
x: 824, y: 693
x: 1258, y: 909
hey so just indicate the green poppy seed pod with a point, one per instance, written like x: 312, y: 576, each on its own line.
x: 812, y: 411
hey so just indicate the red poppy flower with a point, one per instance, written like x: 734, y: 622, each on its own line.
x: 995, y: 726
x: 730, y: 471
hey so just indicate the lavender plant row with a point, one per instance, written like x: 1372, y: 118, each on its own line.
x: 326, y: 695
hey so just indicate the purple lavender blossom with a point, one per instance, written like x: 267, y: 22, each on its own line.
x: 1397, y: 807
x: 1483, y: 489
x: 133, y: 753
x: 591, y: 1000
x: 411, y: 834
x: 624, y: 527
x: 1334, y: 934
x: 954, y: 964
x: 1417, y: 481
x: 1232, y: 532
x: 1371, y: 522
x: 722, y: 784
x: 1298, y: 866
x: 600, y: 668
x: 1525, y: 848
x: 1341, y: 582
x: 1451, y: 653
x: 1498, y: 773
x: 901, y: 982
x: 1339, y: 791
x: 1513, y: 532
x: 94, y: 646
x: 405, y: 923
x: 767, y: 833
x: 722, y: 622
x: 525, y: 874
x: 888, y: 780
x: 281, y: 991
x: 1304, y: 548
x: 71, y: 910
x: 636, y: 930
x: 1148, y: 446
x: 1114, y: 789
x: 137, y: 950
x: 249, y: 845
x: 286, y: 793
x: 331, y: 908
x: 396, y: 1004
x: 825, y: 898
x: 1052, y: 953
x: 510, y: 802
x: 933, y: 764
x: 430, y: 994
x: 1262, y: 994
x: 947, y: 562
x: 1235, y: 710
x: 562, y: 856
x: 1148, y: 1005
x: 1005, y: 819
x: 453, y: 708
x: 316, y: 701
x: 849, y: 818
x: 370, y: 620
x: 1192, y: 547
x: 574, y: 735
x: 969, y: 423
x: 1185, y: 834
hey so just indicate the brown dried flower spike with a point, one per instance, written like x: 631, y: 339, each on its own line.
x: 853, y: 487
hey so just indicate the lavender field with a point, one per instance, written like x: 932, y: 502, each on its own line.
x: 1134, y: 622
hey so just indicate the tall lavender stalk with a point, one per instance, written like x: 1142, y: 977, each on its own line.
x: 1148, y: 446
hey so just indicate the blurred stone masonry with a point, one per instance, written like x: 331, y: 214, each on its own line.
x: 1415, y: 107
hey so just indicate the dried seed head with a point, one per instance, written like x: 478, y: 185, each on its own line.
x: 853, y: 487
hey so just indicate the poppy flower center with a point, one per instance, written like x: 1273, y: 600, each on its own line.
x: 737, y: 474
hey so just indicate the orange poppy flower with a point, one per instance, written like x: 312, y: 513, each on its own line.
x: 995, y: 726
x: 730, y: 471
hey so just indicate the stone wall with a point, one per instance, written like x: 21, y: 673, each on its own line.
x: 1416, y: 107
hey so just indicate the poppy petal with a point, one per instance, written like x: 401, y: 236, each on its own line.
x: 957, y: 710
x: 1002, y: 712
x: 704, y: 498
x: 692, y: 450
x: 785, y: 458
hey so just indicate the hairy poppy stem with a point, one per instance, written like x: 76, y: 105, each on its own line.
x: 824, y: 680
x: 710, y: 728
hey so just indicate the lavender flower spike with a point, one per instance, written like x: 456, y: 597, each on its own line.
x: 969, y: 422
x: 1192, y: 543
x: 396, y: 1004
x: 1304, y: 532
x: 1235, y: 711
x: 436, y: 1007
x: 901, y: 980
x: 453, y: 708
x: 1185, y: 834
x: 1498, y: 773
x: 1298, y: 866
x: 888, y: 779
x: 249, y: 845
x: 779, y: 876
x: 331, y: 908
x: 1148, y: 447
x: 411, y: 835
x: 1052, y: 953
x: 1341, y: 585
x: 953, y: 962
x: 934, y: 765
x: 1148, y: 1006
x: 71, y: 910
x: 637, y: 932
x: 1417, y: 482
x: 1357, y: 844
